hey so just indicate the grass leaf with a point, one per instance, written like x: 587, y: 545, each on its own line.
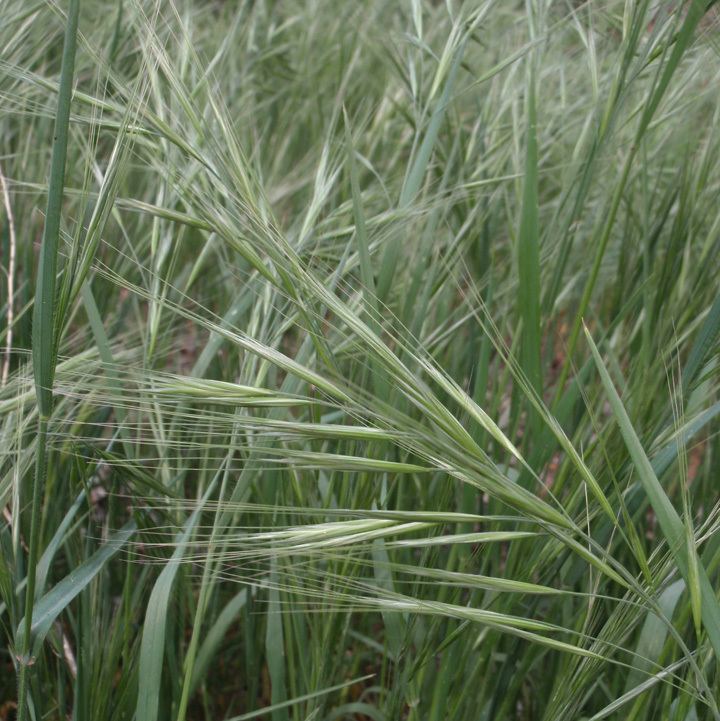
x: 668, y: 518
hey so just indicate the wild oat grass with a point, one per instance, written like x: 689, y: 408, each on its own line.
x: 362, y: 360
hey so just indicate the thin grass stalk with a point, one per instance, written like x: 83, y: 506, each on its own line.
x: 10, y: 279
x: 528, y: 242
x: 205, y: 587
x: 44, y: 349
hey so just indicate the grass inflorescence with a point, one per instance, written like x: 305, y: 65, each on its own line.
x: 360, y: 360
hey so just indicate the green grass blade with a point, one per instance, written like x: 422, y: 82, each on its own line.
x: 703, y: 343
x: 43, y: 567
x: 634, y: 692
x: 152, y: 645
x: 653, y: 635
x: 52, y: 604
x: 395, y: 624
x: 215, y: 636
x: 275, y: 650
x: 263, y: 712
x: 670, y: 522
x: 690, y: 23
x: 43, y: 340
x: 103, y: 344
x: 366, y: 271
x: 417, y: 170
x: 529, y: 253
x: 695, y: 11
x: 356, y: 709
x: 44, y: 350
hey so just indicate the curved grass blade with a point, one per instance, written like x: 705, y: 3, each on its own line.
x: 307, y: 697
x: 51, y: 605
x: 670, y: 522
x: 635, y: 691
x: 215, y: 636
x: 653, y: 635
x: 152, y: 646
x: 705, y: 338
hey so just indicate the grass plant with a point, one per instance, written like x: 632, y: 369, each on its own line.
x: 361, y: 360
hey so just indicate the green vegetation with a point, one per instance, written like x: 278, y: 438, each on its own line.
x: 360, y: 360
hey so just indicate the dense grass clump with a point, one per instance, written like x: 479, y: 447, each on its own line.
x: 359, y: 360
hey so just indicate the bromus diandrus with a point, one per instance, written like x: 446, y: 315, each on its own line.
x: 315, y: 433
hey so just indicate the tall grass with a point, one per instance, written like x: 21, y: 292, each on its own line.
x: 300, y: 421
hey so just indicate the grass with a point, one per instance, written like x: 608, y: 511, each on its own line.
x: 44, y: 341
x: 299, y: 418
